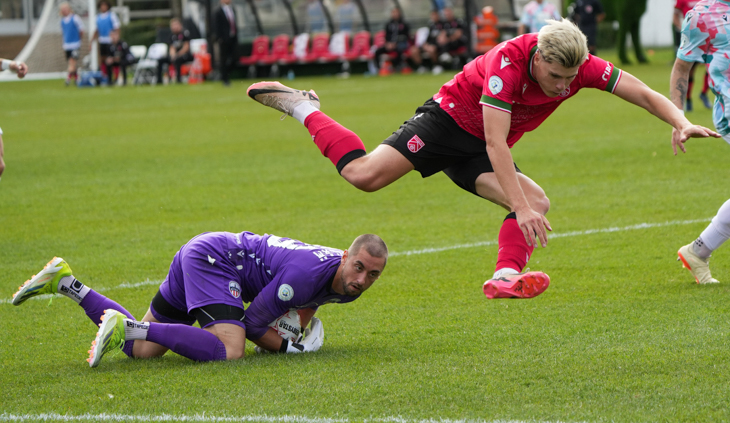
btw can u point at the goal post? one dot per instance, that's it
(44, 53)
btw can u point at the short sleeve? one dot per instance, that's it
(600, 74)
(690, 49)
(115, 21)
(501, 78)
(79, 23)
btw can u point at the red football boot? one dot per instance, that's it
(521, 285)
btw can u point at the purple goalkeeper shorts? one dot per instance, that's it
(202, 274)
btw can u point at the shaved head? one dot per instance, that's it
(373, 244)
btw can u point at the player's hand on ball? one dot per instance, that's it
(314, 336)
(312, 341)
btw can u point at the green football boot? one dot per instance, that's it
(109, 338)
(45, 282)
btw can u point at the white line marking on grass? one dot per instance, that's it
(439, 249)
(54, 417)
(552, 235)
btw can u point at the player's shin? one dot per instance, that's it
(514, 253)
(336, 142)
(94, 303)
(188, 341)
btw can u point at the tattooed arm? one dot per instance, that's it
(678, 82)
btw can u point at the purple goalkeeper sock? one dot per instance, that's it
(94, 305)
(188, 341)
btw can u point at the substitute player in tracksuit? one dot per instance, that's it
(209, 280)
(467, 129)
(706, 38)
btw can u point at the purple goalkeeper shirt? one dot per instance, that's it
(278, 274)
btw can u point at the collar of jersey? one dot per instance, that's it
(532, 54)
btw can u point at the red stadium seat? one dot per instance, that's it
(259, 51)
(360, 48)
(379, 38)
(320, 49)
(279, 51)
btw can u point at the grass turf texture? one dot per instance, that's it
(116, 180)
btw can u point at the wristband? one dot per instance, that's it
(1, 131)
(6, 64)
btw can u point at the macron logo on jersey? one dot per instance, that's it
(505, 62)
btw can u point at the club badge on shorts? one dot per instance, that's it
(286, 292)
(235, 289)
(415, 144)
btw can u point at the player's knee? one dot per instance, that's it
(235, 352)
(541, 204)
(362, 180)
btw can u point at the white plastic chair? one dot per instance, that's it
(198, 44)
(146, 71)
(421, 36)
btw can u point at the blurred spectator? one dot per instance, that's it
(588, 14)
(73, 32)
(535, 14)
(436, 25)
(446, 39)
(346, 13)
(179, 51)
(119, 58)
(106, 23)
(315, 16)
(227, 35)
(397, 39)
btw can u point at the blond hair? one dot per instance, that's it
(563, 43)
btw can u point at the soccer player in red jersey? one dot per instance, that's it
(467, 129)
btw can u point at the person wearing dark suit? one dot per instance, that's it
(226, 32)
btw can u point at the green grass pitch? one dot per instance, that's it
(115, 180)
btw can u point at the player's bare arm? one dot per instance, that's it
(531, 222)
(634, 91)
(679, 81)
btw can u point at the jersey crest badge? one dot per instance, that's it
(505, 62)
(565, 92)
(415, 144)
(286, 292)
(234, 288)
(495, 84)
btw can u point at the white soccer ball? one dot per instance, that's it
(288, 326)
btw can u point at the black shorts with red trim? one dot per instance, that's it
(433, 142)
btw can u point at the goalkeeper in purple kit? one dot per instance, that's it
(209, 280)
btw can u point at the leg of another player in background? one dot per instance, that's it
(690, 84)
(71, 71)
(514, 253)
(705, 89)
(695, 256)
